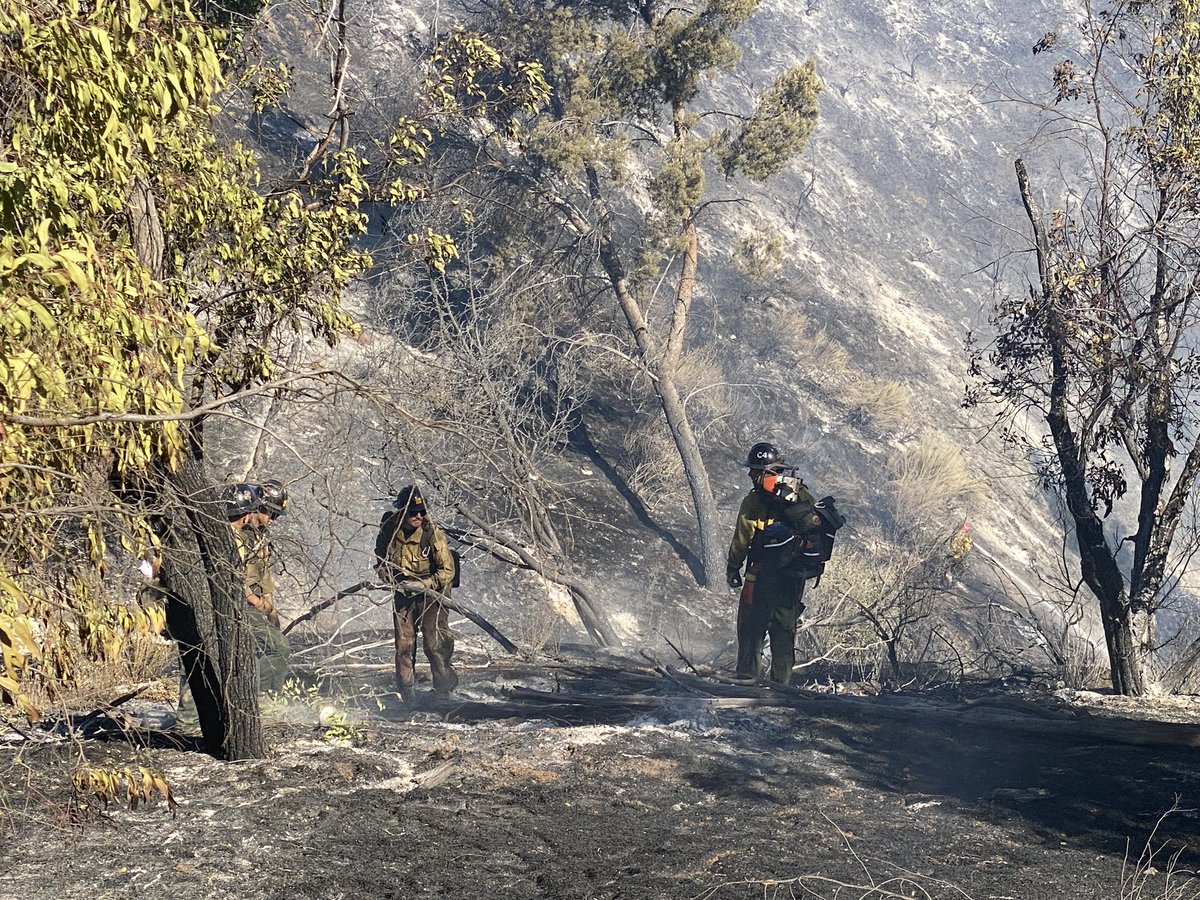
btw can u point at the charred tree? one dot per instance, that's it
(202, 581)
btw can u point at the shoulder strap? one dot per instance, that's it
(388, 526)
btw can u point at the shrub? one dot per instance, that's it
(886, 405)
(705, 392)
(650, 464)
(930, 482)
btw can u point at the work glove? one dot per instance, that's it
(733, 578)
(386, 572)
(411, 586)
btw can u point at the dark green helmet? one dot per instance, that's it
(409, 501)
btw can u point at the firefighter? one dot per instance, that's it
(413, 555)
(251, 510)
(770, 599)
(249, 517)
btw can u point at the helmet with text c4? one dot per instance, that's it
(762, 455)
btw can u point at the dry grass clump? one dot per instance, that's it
(821, 359)
(701, 382)
(776, 330)
(929, 479)
(884, 404)
(141, 659)
(650, 464)
(540, 622)
(1158, 873)
(649, 459)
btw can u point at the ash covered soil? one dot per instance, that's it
(604, 778)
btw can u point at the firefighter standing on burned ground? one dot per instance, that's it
(252, 509)
(770, 603)
(414, 557)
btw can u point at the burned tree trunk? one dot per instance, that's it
(202, 581)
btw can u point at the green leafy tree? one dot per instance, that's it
(148, 279)
(1102, 346)
(623, 161)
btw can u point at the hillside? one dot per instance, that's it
(899, 227)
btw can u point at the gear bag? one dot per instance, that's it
(800, 540)
(818, 544)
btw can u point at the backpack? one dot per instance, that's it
(800, 540)
(818, 544)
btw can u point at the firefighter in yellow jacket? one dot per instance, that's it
(414, 557)
(770, 600)
(251, 510)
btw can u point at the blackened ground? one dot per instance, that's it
(676, 796)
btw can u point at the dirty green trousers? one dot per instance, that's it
(769, 606)
(414, 613)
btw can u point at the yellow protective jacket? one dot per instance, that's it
(755, 514)
(255, 551)
(422, 556)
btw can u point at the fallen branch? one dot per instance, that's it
(357, 648)
(313, 611)
(478, 620)
(640, 701)
(450, 604)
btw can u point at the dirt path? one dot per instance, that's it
(684, 801)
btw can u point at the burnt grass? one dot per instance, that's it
(627, 785)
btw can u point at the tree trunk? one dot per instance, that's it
(1097, 561)
(712, 548)
(201, 578)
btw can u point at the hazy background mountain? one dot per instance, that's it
(899, 226)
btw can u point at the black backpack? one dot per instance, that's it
(800, 540)
(818, 544)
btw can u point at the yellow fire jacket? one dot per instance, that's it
(255, 550)
(422, 556)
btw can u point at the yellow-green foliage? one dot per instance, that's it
(128, 785)
(469, 77)
(85, 332)
(18, 650)
(142, 269)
